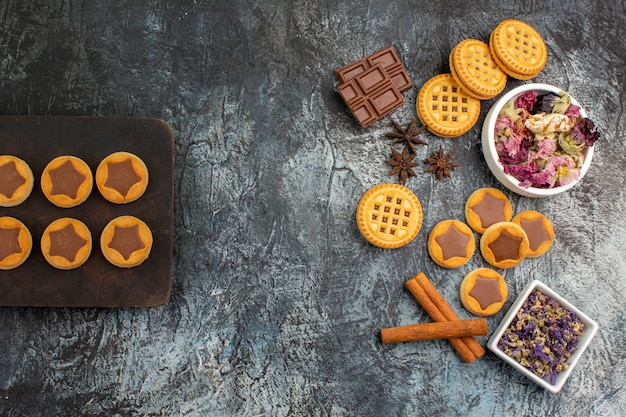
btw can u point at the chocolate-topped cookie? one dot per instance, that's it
(16, 181)
(483, 292)
(66, 181)
(126, 241)
(451, 244)
(66, 243)
(15, 243)
(504, 244)
(539, 230)
(122, 177)
(485, 207)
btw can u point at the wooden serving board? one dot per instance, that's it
(97, 283)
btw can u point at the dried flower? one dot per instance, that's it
(526, 101)
(543, 147)
(585, 132)
(542, 336)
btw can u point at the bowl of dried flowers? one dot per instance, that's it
(538, 141)
(543, 336)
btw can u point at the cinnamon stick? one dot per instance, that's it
(436, 330)
(447, 311)
(457, 343)
(439, 310)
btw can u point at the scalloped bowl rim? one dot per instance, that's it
(491, 155)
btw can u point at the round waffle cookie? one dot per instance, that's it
(389, 216)
(518, 48)
(474, 69)
(445, 108)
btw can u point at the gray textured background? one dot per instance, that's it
(277, 301)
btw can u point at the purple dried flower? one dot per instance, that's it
(585, 132)
(544, 103)
(546, 336)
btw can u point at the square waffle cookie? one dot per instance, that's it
(389, 216)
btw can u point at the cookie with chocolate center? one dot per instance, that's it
(539, 230)
(15, 243)
(122, 177)
(451, 244)
(485, 207)
(66, 181)
(504, 245)
(483, 292)
(126, 241)
(66, 243)
(16, 181)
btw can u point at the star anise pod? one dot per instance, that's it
(440, 164)
(402, 164)
(407, 136)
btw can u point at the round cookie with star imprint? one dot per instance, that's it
(126, 241)
(122, 177)
(16, 243)
(539, 230)
(485, 207)
(16, 181)
(483, 292)
(66, 243)
(66, 181)
(504, 245)
(451, 243)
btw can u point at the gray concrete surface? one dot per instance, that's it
(277, 301)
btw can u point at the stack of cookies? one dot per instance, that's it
(449, 104)
(518, 49)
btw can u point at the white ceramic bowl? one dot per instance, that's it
(491, 155)
(591, 327)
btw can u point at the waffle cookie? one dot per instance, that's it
(66, 243)
(16, 243)
(389, 216)
(126, 241)
(451, 244)
(474, 69)
(445, 108)
(518, 49)
(504, 244)
(485, 207)
(539, 231)
(16, 181)
(483, 292)
(66, 181)
(122, 177)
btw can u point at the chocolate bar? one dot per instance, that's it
(371, 94)
(388, 58)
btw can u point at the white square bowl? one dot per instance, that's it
(591, 327)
